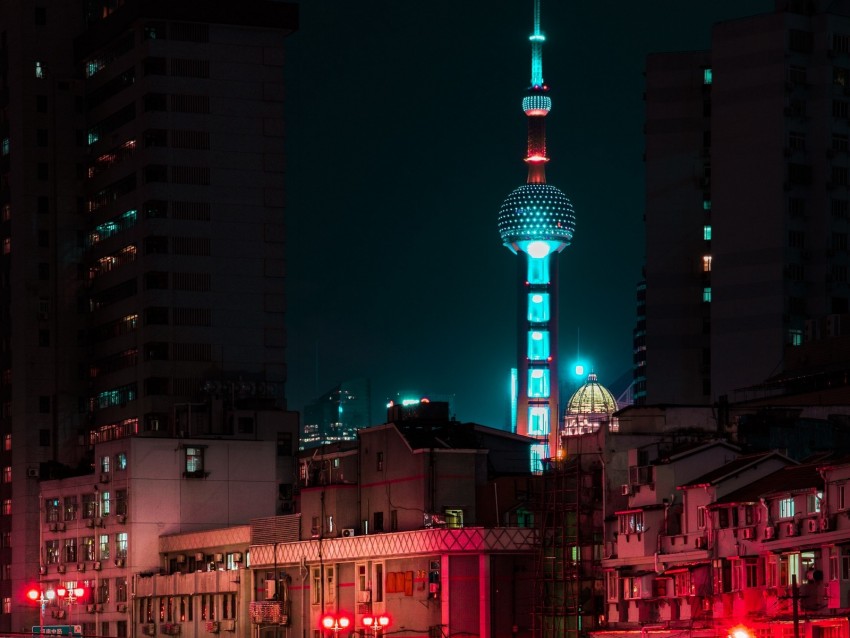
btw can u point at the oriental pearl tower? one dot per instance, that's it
(536, 222)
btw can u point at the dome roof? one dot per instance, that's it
(536, 212)
(592, 398)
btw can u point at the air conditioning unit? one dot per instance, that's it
(121, 518)
(104, 478)
(119, 562)
(212, 626)
(32, 472)
(701, 542)
(121, 607)
(347, 532)
(227, 625)
(199, 556)
(180, 559)
(790, 529)
(60, 526)
(89, 522)
(626, 489)
(98, 607)
(96, 566)
(237, 557)
(825, 524)
(149, 629)
(52, 527)
(90, 608)
(60, 568)
(42, 569)
(769, 532)
(81, 567)
(219, 558)
(60, 613)
(813, 525)
(364, 596)
(99, 521)
(748, 533)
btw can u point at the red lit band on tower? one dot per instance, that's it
(536, 222)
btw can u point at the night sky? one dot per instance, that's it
(405, 133)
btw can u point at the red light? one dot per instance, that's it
(79, 592)
(383, 621)
(368, 620)
(327, 622)
(33, 594)
(344, 622)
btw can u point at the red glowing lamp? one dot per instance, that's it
(335, 623)
(376, 623)
(33, 595)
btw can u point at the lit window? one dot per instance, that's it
(5, 146)
(707, 76)
(104, 463)
(538, 383)
(786, 508)
(7, 605)
(706, 263)
(538, 345)
(105, 499)
(538, 307)
(454, 518)
(121, 545)
(7, 442)
(7, 474)
(815, 501)
(7, 506)
(706, 232)
(194, 461)
(103, 547)
(7, 245)
(40, 69)
(795, 337)
(538, 453)
(538, 420)
(706, 294)
(121, 461)
(538, 270)
(706, 204)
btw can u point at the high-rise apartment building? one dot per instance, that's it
(746, 201)
(141, 194)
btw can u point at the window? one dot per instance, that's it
(89, 505)
(87, 548)
(121, 461)
(538, 345)
(454, 518)
(786, 508)
(105, 500)
(40, 69)
(378, 521)
(51, 552)
(70, 508)
(51, 510)
(379, 459)
(194, 456)
(795, 337)
(316, 586)
(840, 502)
(538, 420)
(7, 442)
(538, 307)
(706, 232)
(103, 547)
(70, 550)
(631, 523)
(707, 76)
(538, 383)
(121, 502)
(814, 502)
(706, 263)
(7, 507)
(121, 545)
(7, 474)
(121, 589)
(706, 294)
(631, 587)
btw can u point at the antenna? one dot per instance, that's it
(537, 40)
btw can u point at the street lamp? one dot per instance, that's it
(376, 623)
(42, 598)
(335, 623)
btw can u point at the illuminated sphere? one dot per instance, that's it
(592, 398)
(536, 212)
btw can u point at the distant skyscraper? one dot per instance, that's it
(746, 202)
(536, 222)
(141, 223)
(337, 414)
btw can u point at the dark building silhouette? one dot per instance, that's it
(337, 414)
(747, 202)
(142, 266)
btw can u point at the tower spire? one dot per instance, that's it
(537, 39)
(536, 105)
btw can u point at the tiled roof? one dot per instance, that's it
(732, 467)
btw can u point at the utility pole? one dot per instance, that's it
(795, 605)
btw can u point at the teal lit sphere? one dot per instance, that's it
(536, 212)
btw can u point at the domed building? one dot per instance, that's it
(589, 407)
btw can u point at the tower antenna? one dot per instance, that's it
(537, 39)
